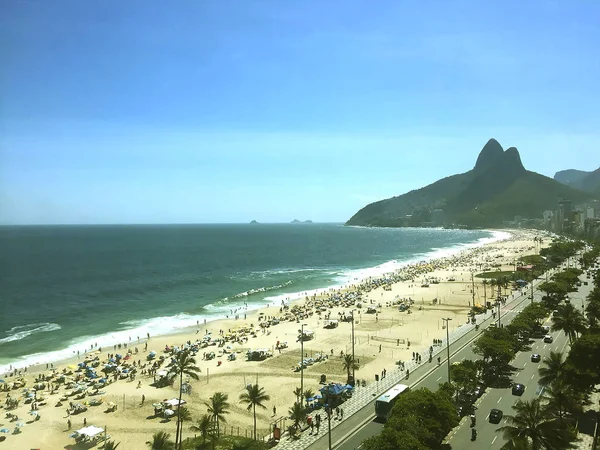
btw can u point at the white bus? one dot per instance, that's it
(385, 402)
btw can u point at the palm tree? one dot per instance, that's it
(110, 445)
(182, 364)
(204, 426)
(562, 398)
(297, 414)
(298, 393)
(553, 370)
(349, 364)
(308, 393)
(569, 320)
(184, 416)
(593, 313)
(534, 423)
(161, 441)
(485, 284)
(217, 408)
(253, 397)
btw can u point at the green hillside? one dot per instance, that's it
(497, 189)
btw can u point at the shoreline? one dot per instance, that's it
(382, 338)
(107, 340)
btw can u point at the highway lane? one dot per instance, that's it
(503, 399)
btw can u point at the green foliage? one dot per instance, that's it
(298, 414)
(552, 368)
(218, 407)
(535, 422)
(161, 440)
(583, 362)
(348, 365)
(497, 347)
(570, 320)
(498, 274)
(420, 418)
(464, 375)
(253, 397)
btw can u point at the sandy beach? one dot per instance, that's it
(383, 335)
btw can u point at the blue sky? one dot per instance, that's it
(227, 111)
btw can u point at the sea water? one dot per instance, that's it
(66, 288)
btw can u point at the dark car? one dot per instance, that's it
(548, 339)
(518, 389)
(496, 415)
(479, 390)
(535, 357)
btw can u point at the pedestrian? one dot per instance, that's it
(379, 348)
(274, 411)
(341, 414)
(69, 424)
(143, 398)
(84, 422)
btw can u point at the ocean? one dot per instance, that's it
(64, 288)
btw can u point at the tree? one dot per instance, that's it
(464, 375)
(426, 415)
(593, 313)
(218, 407)
(485, 284)
(552, 369)
(562, 398)
(534, 422)
(253, 397)
(497, 347)
(184, 416)
(161, 440)
(583, 362)
(298, 394)
(110, 445)
(204, 426)
(298, 414)
(349, 364)
(183, 363)
(569, 320)
(555, 293)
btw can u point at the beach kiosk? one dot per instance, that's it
(89, 434)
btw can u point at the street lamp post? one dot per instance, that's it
(447, 320)
(328, 412)
(353, 368)
(302, 363)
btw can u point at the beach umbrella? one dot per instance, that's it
(2, 381)
(310, 399)
(33, 413)
(169, 412)
(20, 424)
(318, 396)
(157, 405)
(4, 430)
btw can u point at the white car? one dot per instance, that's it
(548, 339)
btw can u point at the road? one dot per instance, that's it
(365, 426)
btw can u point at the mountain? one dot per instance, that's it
(299, 221)
(497, 189)
(586, 181)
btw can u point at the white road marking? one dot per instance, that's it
(439, 379)
(532, 376)
(517, 374)
(499, 400)
(494, 440)
(524, 365)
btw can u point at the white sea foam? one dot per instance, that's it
(166, 325)
(22, 331)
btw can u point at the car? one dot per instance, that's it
(496, 415)
(518, 389)
(479, 390)
(548, 339)
(535, 357)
